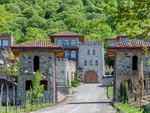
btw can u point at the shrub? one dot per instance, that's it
(78, 79)
(76, 82)
(107, 73)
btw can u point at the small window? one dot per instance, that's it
(36, 61)
(66, 54)
(66, 42)
(144, 84)
(5, 42)
(125, 39)
(62, 71)
(142, 39)
(73, 42)
(85, 63)
(45, 84)
(148, 39)
(73, 54)
(134, 63)
(59, 42)
(88, 52)
(93, 52)
(28, 85)
(96, 62)
(91, 62)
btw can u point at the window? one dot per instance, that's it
(45, 84)
(125, 39)
(73, 42)
(73, 54)
(85, 63)
(88, 52)
(134, 63)
(28, 85)
(144, 84)
(66, 42)
(93, 52)
(0, 42)
(91, 62)
(5, 43)
(59, 42)
(66, 54)
(148, 40)
(62, 71)
(96, 62)
(36, 61)
(142, 39)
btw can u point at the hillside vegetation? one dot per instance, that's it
(37, 19)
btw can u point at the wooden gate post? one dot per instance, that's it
(1, 98)
(7, 86)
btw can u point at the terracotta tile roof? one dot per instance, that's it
(36, 43)
(66, 33)
(129, 44)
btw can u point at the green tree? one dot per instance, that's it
(11, 68)
(37, 89)
(34, 34)
(4, 18)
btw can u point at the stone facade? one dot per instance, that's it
(47, 67)
(66, 70)
(123, 68)
(94, 59)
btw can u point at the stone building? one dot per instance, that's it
(6, 40)
(91, 61)
(77, 51)
(34, 56)
(66, 70)
(69, 41)
(122, 38)
(128, 56)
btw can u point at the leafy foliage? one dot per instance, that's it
(12, 67)
(37, 19)
(37, 89)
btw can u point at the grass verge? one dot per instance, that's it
(26, 108)
(110, 92)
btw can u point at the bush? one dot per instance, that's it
(78, 79)
(107, 73)
(76, 82)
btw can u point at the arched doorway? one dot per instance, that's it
(91, 77)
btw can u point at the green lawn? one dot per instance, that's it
(27, 108)
(110, 92)
(126, 108)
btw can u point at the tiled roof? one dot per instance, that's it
(129, 44)
(66, 33)
(37, 43)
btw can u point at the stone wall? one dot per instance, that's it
(123, 68)
(66, 70)
(47, 67)
(99, 56)
(107, 80)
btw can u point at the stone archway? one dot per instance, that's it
(91, 77)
